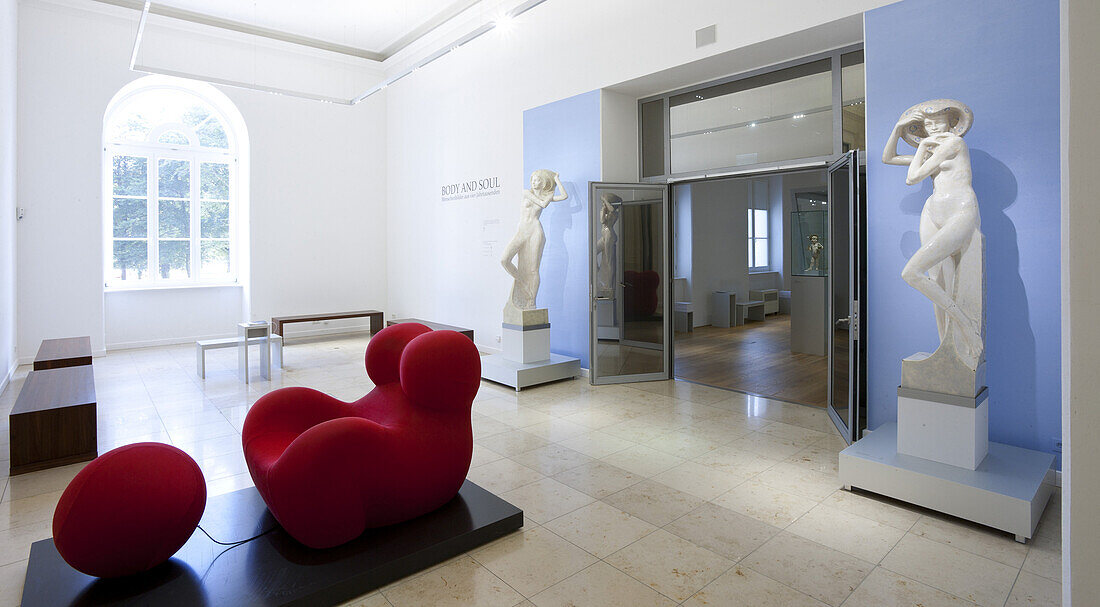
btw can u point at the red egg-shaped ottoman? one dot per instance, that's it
(129, 510)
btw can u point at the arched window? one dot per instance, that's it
(172, 152)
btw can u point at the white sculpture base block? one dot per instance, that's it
(606, 327)
(499, 369)
(1008, 491)
(943, 428)
(528, 344)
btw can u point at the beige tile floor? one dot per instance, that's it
(647, 494)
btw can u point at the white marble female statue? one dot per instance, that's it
(815, 247)
(605, 245)
(526, 246)
(949, 266)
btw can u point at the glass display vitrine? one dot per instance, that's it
(810, 243)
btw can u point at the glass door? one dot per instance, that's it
(631, 307)
(847, 296)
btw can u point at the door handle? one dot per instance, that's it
(843, 323)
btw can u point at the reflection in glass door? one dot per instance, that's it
(847, 296)
(631, 307)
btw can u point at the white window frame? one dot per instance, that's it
(153, 152)
(752, 238)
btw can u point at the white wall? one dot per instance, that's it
(618, 137)
(8, 38)
(316, 218)
(682, 238)
(719, 255)
(461, 117)
(1080, 303)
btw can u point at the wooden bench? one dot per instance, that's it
(434, 326)
(231, 342)
(53, 422)
(375, 316)
(66, 352)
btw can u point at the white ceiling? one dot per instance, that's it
(370, 25)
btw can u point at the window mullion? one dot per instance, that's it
(152, 221)
(196, 240)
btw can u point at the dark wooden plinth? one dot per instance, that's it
(278, 322)
(274, 569)
(66, 352)
(53, 422)
(434, 326)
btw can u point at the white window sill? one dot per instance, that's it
(126, 289)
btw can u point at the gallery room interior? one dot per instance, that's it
(549, 302)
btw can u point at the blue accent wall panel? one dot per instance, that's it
(564, 136)
(1000, 58)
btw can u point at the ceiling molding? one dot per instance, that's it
(401, 43)
(147, 7)
(452, 11)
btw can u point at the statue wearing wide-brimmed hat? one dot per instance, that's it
(949, 267)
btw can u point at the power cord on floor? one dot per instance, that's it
(229, 546)
(237, 543)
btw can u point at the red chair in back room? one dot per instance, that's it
(329, 470)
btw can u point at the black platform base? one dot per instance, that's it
(275, 569)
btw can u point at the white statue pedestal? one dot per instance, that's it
(943, 428)
(1007, 491)
(526, 359)
(527, 341)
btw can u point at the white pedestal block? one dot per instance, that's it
(1008, 491)
(520, 375)
(526, 344)
(607, 326)
(944, 428)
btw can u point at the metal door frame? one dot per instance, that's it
(665, 284)
(849, 429)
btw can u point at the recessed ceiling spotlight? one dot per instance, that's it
(752, 124)
(698, 96)
(504, 22)
(797, 116)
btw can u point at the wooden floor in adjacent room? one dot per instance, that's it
(756, 358)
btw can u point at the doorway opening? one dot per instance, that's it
(750, 277)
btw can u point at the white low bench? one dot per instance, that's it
(749, 310)
(231, 342)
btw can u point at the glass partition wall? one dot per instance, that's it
(780, 117)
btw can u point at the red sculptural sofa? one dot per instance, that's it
(328, 470)
(640, 294)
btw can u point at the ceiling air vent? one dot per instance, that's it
(705, 36)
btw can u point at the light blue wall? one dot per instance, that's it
(564, 136)
(1001, 58)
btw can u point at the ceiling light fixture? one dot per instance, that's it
(504, 22)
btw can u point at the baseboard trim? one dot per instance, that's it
(8, 376)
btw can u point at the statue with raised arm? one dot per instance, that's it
(605, 245)
(949, 267)
(527, 245)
